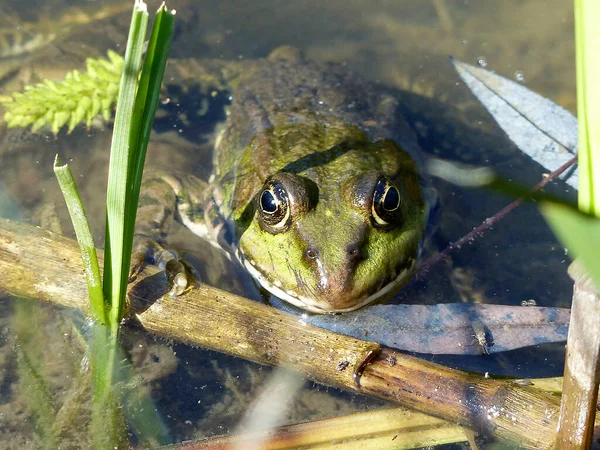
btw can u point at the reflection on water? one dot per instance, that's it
(403, 45)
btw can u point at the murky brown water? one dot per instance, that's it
(404, 45)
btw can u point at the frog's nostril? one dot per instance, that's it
(311, 253)
(354, 252)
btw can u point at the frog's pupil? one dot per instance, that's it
(391, 200)
(268, 202)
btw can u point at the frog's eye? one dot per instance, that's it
(386, 210)
(274, 208)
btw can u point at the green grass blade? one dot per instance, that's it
(151, 80)
(116, 265)
(146, 104)
(587, 43)
(85, 239)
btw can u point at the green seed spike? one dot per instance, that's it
(80, 97)
(60, 119)
(79, 115)
(96, 105)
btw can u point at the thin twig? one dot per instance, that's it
(488, 223)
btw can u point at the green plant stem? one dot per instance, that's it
(108, 426)
(85, 239)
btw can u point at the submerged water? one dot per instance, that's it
(403, 45)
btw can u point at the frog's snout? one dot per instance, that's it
(334, 287)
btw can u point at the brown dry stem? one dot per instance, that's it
(385, 428)
(582, 365)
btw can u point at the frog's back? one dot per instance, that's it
(286, 89)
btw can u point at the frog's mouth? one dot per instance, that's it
(310, 304)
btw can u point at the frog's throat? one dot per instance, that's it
(308, 303)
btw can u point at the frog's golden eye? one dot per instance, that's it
(386, 209)
(274, 208)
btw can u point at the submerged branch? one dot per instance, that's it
(38, 264)
(385, 428)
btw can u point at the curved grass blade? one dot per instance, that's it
(85, 239)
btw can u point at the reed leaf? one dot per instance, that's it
(587, 42)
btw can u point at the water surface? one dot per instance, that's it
(402, 45)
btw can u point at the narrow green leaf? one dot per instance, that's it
(85, 239)
(587, 42)
(146, 105)
(116, 264)
(579, 232)
(152, 75)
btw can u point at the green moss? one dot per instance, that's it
(79, 98)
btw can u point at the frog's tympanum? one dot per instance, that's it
(314, 188)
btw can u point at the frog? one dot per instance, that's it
(315, 191)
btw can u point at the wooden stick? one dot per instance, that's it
(39, 264)
(582, 365)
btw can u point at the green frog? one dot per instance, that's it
(315, 189)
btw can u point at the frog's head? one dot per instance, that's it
(334, 233)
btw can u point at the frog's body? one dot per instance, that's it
(311, 190)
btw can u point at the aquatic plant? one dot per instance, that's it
(138, 89)
(79, 98)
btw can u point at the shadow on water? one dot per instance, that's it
(539, 361)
